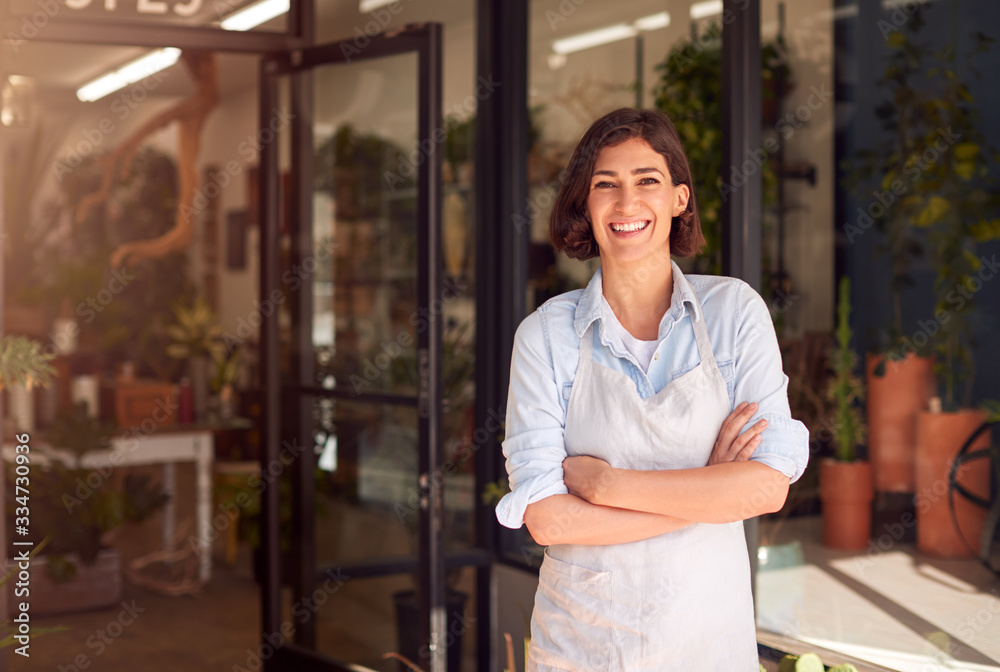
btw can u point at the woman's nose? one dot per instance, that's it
(627, 199)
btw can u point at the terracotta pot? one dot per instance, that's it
(846, 491)
(939, 438)
(892, 406)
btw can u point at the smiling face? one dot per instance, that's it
(632, 201)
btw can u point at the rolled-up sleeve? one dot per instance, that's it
(760, 378)
(534, 445)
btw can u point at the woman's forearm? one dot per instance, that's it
(567, 519)
(719, 493)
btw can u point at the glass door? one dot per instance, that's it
(351, 193)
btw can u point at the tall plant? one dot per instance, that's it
(954, 198)
(893, 165)
(845, 390)
(934, 186)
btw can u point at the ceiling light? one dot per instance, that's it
(893, 4)
(594, 38)
(701, 10)
(129, 73)
(368, 5)
(620, 31)
(254, 15)
(653, 21)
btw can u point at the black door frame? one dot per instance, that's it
(425, 41)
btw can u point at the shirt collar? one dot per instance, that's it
(682, 302)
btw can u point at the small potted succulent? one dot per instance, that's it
(846, 487)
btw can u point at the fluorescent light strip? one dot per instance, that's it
(893, 4)
(368, 5)
(129, 73)
(653, 21)
(701, 10)
(254, 15)
(594, 38)
(620, 31)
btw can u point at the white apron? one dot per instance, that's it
(680, 601)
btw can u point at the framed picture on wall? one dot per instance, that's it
(236, 240)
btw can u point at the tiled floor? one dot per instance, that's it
(896, 607)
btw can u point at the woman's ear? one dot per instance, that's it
(682, 195)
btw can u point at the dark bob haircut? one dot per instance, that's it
(569, 223)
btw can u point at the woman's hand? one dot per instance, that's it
(587, 477)
(731, 446)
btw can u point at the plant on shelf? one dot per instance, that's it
(196, 332)
(845, 481)
(23, 361)
(226, 370)
(196, 339)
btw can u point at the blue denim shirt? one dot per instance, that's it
(546, 353)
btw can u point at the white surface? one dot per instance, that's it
(954, 599)
(167, 449)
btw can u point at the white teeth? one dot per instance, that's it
(625, 227)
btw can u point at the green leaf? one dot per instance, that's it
(935, 210)
(178, 351)
(896, 40)
(966, 151)
(973, 260)
(965, 169)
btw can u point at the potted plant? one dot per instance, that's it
(899, 370)
(195, 338)
(845, 481)
(227, 368)
(23, 365)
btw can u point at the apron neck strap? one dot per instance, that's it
(701, 332)
(587, 343)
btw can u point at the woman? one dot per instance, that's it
(647, 418)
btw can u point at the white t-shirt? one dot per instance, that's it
(642, 350)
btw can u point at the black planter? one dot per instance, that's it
(408, 630)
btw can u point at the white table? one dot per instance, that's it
(167, 446)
